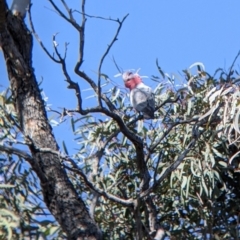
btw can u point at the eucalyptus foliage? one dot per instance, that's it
(196, 125)
(23, 213)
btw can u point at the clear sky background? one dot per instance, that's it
(177, 32)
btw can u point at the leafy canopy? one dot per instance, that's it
(191, 151)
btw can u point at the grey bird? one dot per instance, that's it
(141, 96)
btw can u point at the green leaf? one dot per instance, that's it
(198, 65)
(184, 181)
(65, 148)
(204, 186)
(2, 185)
(160, 70)
(73, 124)
(222, 163)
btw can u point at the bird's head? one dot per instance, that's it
(131, 80)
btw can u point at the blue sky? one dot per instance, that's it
(178, 33)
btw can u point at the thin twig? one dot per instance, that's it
(115, 63)
(69, 11)
(61, 59)
(98, 17)
(37, 37)
(65, 17)
(81, 39)
(103, 57)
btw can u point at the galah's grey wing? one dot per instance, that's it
(143, 101)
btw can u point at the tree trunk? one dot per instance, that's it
(59, 194)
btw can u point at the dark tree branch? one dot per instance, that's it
(95, 88)
(103, 57)
(81, 42)
(115, 63)
(123, 128)
(69, 11)
(18, 152)
(91, 185)
(71, 21)
(61, 59)
(3, 7)
(79, 63)
(116, 132)
(98, 17)
(37, 37)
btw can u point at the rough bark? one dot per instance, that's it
(59, 194)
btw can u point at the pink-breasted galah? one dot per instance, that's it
(141, 96)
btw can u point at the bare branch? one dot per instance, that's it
(82, 41)
(95, 88)
(69, 11)
(72, 22)
(15, 151)
(80, 61)
(103, 57)
(55, 45)
(98, 17)
(75, 86)
(115, 63)
(37, 37)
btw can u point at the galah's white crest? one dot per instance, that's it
(141, 96)
(19, 7)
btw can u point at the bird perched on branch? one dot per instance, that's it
(141, 96)
(19, 7)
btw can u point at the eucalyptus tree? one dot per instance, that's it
(131, 178)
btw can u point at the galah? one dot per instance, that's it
(19, 7)
(141, 96)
